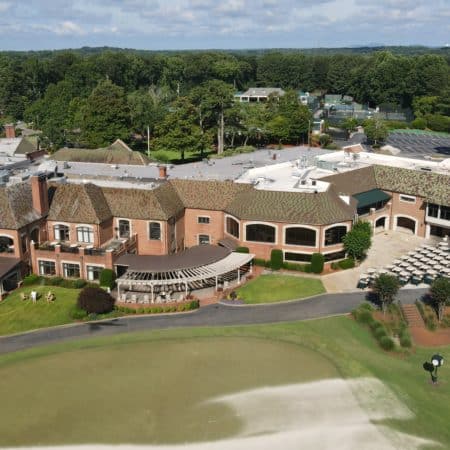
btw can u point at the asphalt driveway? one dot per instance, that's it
(208, 316)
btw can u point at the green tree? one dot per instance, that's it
(375, 130)
(106, 115)
(216, 100)
(440, 294)
(386, 288)
(424, 105)
(356, 243)
(179, 131)
(349, 125)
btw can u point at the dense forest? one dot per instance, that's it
(89, 97)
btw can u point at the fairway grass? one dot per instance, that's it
(276, 288)
(153, 387)
(17, 315)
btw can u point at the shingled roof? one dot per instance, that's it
(291, 207)
(161, 203)
(79, 203)
(433, 187)
(210, 195)
(353, 181)
(16, 206)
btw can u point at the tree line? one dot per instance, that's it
(90, 99)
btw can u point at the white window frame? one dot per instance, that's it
(101, 266)
(260, 223)
(225, 226)
(412, 198)
(118, 226)
(45, 260)
(57, 224)
(90, 233)
(317, 230)
(203, 234)
(204, 217)
(160, 230)
(63, 271)
(340, 224)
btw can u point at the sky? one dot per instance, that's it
(228, 24)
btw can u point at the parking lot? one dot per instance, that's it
(420, 144)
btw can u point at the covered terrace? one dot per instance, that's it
(167, 278)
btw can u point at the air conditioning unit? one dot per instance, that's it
(313, 182)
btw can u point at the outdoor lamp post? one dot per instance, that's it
(437, 361)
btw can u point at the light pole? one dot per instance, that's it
(437, 361)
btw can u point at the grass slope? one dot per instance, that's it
(17, 315)
(275, 288)
(345, 344)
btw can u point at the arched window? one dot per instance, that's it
(154, 231)
(6, 244)
(61, 232)
(334, 235)
(300, 236)
(232, 227)
(85, 234)
(258, 232)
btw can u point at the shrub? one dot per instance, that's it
(376, 325)
(317, 262)
(92, 316)
(77, 313)
(95, 300)
(161, 156)
(367, 306)
(386, 343)
(405, 341)
(31, 279)
(245, 149)
(107, 278)
(295, 266)
(79, 283)
(242, 250)
(261, 262)
(348, 263)
(276, 259)
(364, 316)
(194, 304)
(379, 333)
(419, 124)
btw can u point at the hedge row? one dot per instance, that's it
(76, 283)
(363, 315)
(348, 263)
(190, 306)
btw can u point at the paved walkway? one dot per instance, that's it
(208, 316)
(386, 247)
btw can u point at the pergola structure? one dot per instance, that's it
(159, 278)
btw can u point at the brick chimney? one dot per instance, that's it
(162, 172)
(10, 131)
(39, 193)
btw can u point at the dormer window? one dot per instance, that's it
(85, 234)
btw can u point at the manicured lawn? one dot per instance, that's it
(275, 288)
(175, 157)
(152, 387)
(17, 315)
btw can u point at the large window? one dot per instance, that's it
(85, 234)
(232, 227)
(124, 228)
(154, 231)
(6, 244)
(300, 236)
(445, 212)
(258, 232)
(297, 257)
(93, 272)
(61, 232)
(203, 239)
(433, 210)
(47, 268)
(71, 270)
(335, 255)
(335, 235)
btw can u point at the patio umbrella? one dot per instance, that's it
(371, 270)
(396, 261)
(403, 273)
(383, 271)
(432, 272)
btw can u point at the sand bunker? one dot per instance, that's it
(329, 414)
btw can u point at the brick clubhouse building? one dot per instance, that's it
(74, 228)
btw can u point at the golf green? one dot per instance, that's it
(153, 392)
